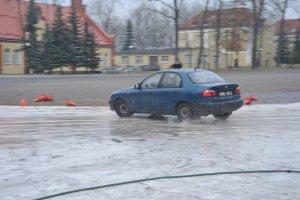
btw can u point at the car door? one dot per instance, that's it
(169, 92)
(144, 99)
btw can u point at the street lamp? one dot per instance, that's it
(128, 55)
(27, 45)
(175, 18)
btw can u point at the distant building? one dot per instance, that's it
(291, 26)
(162, 57)
(236, 27)
(12, 20)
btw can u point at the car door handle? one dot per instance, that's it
(174, 92)
(150, 92)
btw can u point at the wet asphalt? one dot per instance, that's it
(47, 150)
(270, 86)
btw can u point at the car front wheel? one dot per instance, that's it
(222, 116)
(184, 112)
(121, 108)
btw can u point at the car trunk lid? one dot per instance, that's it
(223, 91)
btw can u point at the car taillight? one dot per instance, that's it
(238, 90)
(209, 93)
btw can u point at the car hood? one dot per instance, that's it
(126, 90)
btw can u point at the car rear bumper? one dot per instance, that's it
(215, 108)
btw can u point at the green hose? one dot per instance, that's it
(166, 177)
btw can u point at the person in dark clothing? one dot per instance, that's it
(176, 65)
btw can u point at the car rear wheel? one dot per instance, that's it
(222, 116)
(121, 108)
(184, 112)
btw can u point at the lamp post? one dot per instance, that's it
(175, 18)
(26, 46)
(128, 54)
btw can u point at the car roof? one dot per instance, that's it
(185, 71)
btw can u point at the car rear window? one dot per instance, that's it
(204, 77)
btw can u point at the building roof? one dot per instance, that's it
(230, 17)
(290, 26)
(13, 17)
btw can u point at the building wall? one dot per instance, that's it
(12, 67)
(266, 51)
(106, 55)
(144, 59)
(268, 46)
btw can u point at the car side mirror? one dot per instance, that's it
(137, 86)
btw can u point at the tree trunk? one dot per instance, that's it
(218, 35)
(201, 35)
(281, 32)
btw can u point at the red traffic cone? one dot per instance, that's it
(42, 98)
(70, 103)
(23, 102)
(247, 101)
(39, 98)
(48, 98)
(253, 98)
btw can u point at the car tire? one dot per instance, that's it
(222, 116)
(121, 108)
(184, 112)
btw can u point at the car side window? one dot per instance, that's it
(171, 80)
(152, 81)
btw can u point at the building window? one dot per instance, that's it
(100, 60)
(105, 59)
(139, 60)
(164, 59)
(7, 57)
(206, 22)
(17, 59)
(124, 60)
(190, 37)
(182, 36)
(204, 59)
(188, 58)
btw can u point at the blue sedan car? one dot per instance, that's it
(186, 93)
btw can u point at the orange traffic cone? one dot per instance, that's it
(247, 101)
(42, 98)
(48, 98)
(253, 98)
(23, 102)
(70, 103)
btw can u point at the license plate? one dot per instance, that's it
(227, 93)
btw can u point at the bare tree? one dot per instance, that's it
(202, 24)
(151, 28)
(103, 13)
(175, 8)
(258, 6)
(187, 10)
(281, 6)
(218, 32)
(58, 2)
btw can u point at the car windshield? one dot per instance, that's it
(204, 77)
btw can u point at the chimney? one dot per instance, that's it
(78, 5)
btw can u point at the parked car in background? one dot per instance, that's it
(150, 68)
(186, 93)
